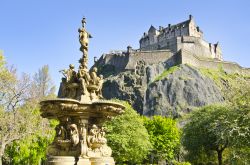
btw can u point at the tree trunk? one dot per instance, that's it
(219, 152)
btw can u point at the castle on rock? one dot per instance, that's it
(181, 43)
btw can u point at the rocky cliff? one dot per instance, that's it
(162, 90)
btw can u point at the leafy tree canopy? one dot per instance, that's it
(127, 137)
(215, 128)
(164, 136)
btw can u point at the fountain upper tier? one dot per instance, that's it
(57, 108)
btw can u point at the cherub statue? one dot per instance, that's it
(99, 84)
(93, 135)
(94, 131)
(69, 74)
(93, 76)
(69, 78)
(74, 135)
(83, 77)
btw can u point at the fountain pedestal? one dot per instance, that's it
(67, 160)
(102, 161)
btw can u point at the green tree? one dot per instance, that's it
(240, 134)
(164, 136)
(19, 115)
(216, 128)
(31, 150)
(15, 123)
(42, 85)
(127, 137)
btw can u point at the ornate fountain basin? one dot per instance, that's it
(56, 108)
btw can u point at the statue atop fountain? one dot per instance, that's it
(83, 85)
(81, 111)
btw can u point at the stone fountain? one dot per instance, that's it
(81, 111)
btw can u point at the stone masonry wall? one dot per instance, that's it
(200, 47)
(119, 61)
(150, 57)
(170, 44)
(128, 60)
(230, 67)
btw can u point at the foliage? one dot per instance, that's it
(32, 150)
(215, 128)
(165, 73)
(164, 136)
(180, 163)
(15, 122)
(127, 137)
(22, 127)
(42, 84)
(241, 98)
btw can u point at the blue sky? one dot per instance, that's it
(38, 32)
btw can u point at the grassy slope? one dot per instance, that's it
(165, 73)
(229, 84)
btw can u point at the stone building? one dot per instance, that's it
(185, 35)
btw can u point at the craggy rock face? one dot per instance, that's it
(123, 87)
(171, 95)
(179, 92)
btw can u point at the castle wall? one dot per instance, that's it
(119, 61)
(163, 44)
(169, 44)
(150, 57)
(200, 47)
(229, 67)
(128, 61)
